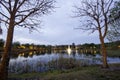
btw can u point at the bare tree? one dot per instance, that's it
(93, 16)
(114, 31)
(23, 13)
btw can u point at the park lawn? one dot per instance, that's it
(81, 73)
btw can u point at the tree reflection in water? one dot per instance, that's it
(40, 62)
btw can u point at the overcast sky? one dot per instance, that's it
(58, 28)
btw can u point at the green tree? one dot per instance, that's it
(93, 16)
(16, 44)
(22, 13)
(114, 32)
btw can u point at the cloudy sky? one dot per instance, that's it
(57, 28)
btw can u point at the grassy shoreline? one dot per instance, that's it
(81, 73)
(113, 53)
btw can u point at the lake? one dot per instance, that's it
(47, 61)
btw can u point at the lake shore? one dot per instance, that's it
(82, 73)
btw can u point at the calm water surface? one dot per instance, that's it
(40, 63)
(44, 58)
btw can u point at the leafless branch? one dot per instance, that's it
(94, 14)
(2, 2)
(25, 11)
(4, 15)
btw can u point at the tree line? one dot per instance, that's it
(18, 45)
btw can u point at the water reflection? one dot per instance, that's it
(45, 57)
(69, 50)
(35, 61)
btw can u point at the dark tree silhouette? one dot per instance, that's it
(0, 29)
(23, 13)
(1, 43)
(94, 16)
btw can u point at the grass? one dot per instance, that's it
(81, 73)
(113, 53)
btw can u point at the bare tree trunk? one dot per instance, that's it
(104, 53)
(4, 65)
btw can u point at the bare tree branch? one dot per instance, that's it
(94, 16)
(21, 13)
(2, 20)
(4, 15)
(4, 5)
(10, 7)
